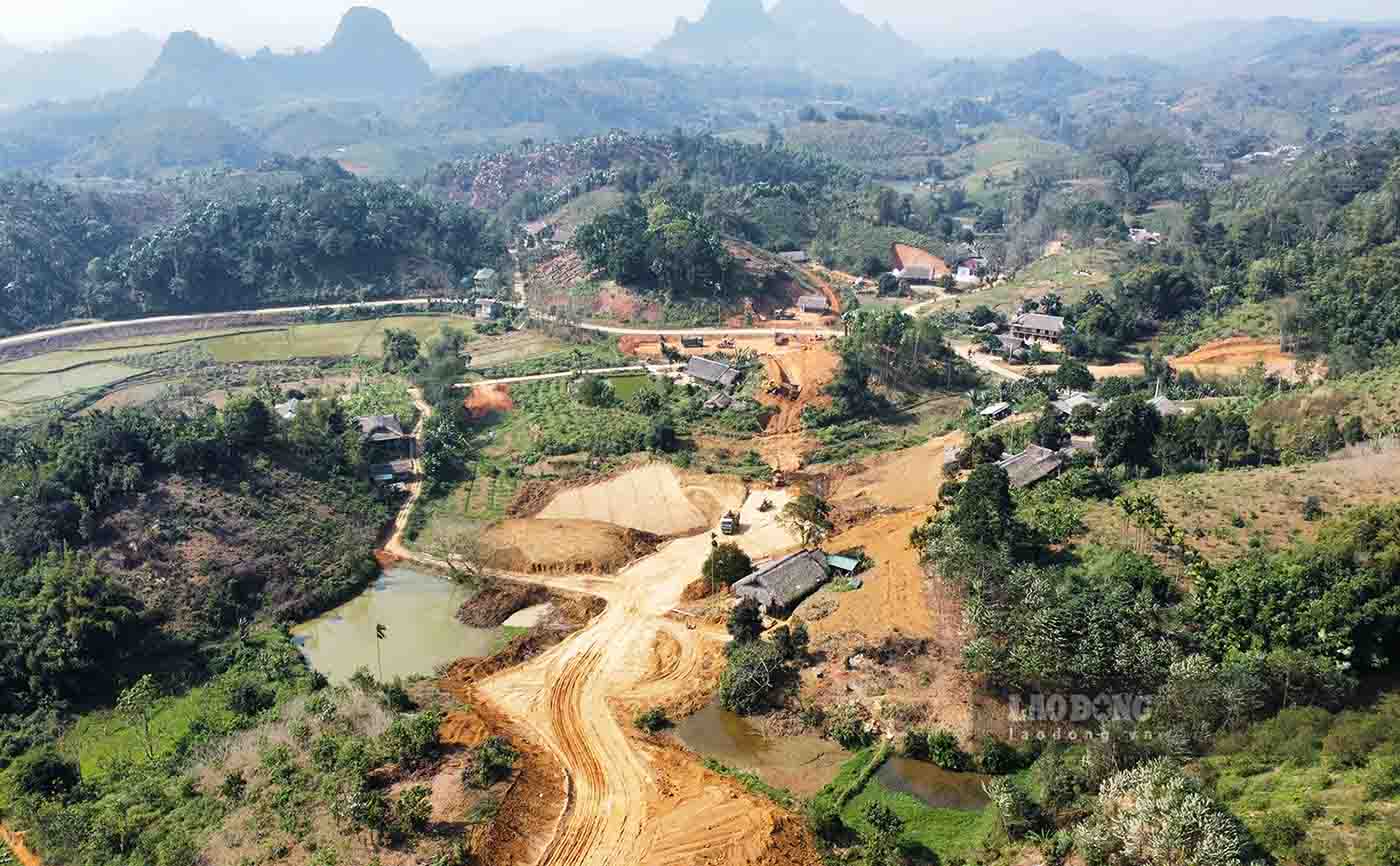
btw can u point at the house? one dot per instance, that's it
(969, 270)
(380, 429)
(1038, 326)
(996, 411)
(1143, 236)
(989, 328)
(391, 472)
(485, 280)
(916, 275)
(779, 585)
(1073, 400)
(712, 372)
(797, 257)
(813, 304)
(719, 402)
(489, 308)
(1010, 345)
(1031, 465)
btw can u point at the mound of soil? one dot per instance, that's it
(545, 546)
(483, 401)
(1237, 354)
(497, 602)
(653, 498)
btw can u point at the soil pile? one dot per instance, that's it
(482, 401)
(495, 604)
(1237, 354)
(798, 380)
(653, 498)
(548, 546)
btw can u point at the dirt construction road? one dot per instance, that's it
(619, 807)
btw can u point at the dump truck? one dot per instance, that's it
(692, 342)
(729, 524)
(778, 480)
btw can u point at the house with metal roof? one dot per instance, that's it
(288, 410)
(916, 274)
(996, 411)
(380, 428)
(797, 257)
(779, 585)
(813, 304)
(1031, 465)
(1038, 326)
(393, 471)
(712, 372)
(485, 279)
(1073, 400)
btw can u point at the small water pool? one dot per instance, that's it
(936, 787)
(419, 614)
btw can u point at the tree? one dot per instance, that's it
(983, 509)
(880, 836)
(466, 555)
(1073, 375)
(745, 621)
(1126, 432)
(1129, 148)
(138, 704)
(726, 563)
(247, 421)
(400, 348)
(754, 670)
(661, 436)
(809, 517)
(1049, 432)
(593, 391)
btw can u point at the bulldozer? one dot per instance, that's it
(726, 343)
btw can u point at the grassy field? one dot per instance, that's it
(1060, 273)
(73, 374)
(1225, 514)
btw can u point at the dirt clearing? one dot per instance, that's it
(905, 255)
(902, 479)
(794, 381)
(1236, 355)
(654, 497)
(892, 598)
(555, 546)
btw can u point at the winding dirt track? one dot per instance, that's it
(618, 809)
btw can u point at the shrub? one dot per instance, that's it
(939, 747)
(998, 758)
(233, 786)
(1381, 777)
(412, 811)
(651, 720)
(1280, 831)
(1385, 849)
(247, 697)
(43, 773)
(745, 621)
(490, 762)
(850, 725)
(823, 818)
(1312, 509)
(411, 740)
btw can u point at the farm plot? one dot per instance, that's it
(489, 494)
(50, 386)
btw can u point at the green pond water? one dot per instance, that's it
(801, 764)
(936, 787)
(418, 612)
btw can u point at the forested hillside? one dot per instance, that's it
(326, 238)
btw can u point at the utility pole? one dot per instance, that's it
(379, 634)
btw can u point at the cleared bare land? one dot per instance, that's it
(655, 498)
(901, 479)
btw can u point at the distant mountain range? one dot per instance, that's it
(366, 57)
(535, 48)
(80, 69)
(821, 37)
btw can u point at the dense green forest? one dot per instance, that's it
(328, 238)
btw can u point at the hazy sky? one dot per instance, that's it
(248, 24)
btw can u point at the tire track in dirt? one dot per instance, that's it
(627, 802)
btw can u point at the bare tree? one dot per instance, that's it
(466, 555)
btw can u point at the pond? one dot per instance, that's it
(802, 764)
(934, 786)
(419, 615)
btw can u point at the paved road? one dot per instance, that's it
(540, 377)
(36, 336)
